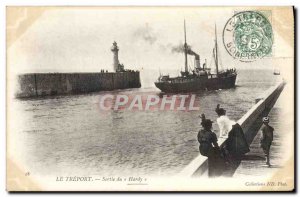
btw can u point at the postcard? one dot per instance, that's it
(150, 98)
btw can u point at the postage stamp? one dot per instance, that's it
(248, 36)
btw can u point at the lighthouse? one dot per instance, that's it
(115, 50)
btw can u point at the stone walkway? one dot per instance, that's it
(254, 162)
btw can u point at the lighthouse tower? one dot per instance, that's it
(115, 50)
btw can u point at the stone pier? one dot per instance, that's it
(250, 122)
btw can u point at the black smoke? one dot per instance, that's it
(145, 33)
(180, 49)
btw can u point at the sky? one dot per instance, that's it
(79, 39)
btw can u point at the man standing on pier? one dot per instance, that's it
(267, 138)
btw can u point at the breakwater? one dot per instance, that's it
(47, 84)
(250, 122)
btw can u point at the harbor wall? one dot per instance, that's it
(250, 123)
(46, 84)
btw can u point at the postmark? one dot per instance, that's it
(248, 36)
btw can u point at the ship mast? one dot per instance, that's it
(185, 50)
(216, 49)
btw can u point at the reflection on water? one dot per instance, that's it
(67, 134)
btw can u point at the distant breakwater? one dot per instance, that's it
(47, 84)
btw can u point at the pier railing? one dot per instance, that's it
(250, 122)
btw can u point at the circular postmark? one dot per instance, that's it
(248, 36)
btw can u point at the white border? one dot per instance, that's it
(5, 3)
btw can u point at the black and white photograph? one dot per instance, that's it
(157, 98)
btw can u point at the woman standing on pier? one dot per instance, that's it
(236, 144)
(224, 123)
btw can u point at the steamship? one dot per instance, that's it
(200, 78)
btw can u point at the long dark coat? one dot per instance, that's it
(236, 143)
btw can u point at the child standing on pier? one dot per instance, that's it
(267, 138)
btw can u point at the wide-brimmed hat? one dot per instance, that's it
(266, 119)
(220, 111)
(205, 122)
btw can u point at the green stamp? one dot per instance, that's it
(248, 36)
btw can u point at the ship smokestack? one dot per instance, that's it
(115, 50)
(205, 65)
(197, 57)
(197, 61)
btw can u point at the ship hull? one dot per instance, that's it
(198, 84)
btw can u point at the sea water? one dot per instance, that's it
(65, 134)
